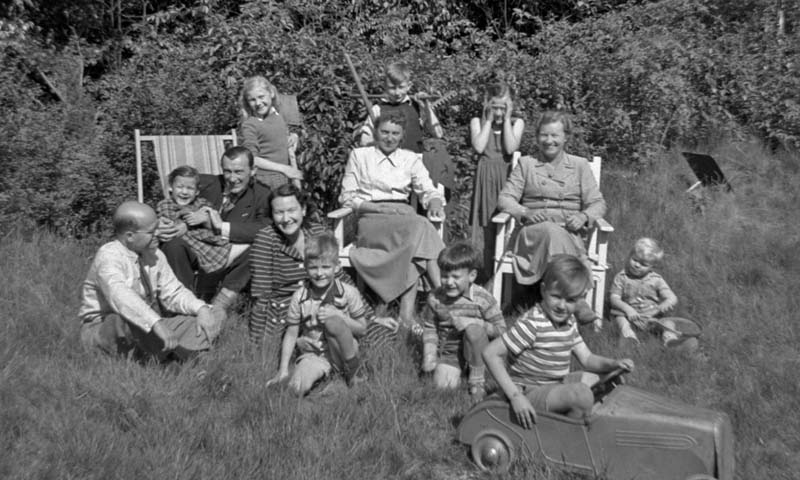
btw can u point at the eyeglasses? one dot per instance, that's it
(147, 232)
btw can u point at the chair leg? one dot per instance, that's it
(497, 286)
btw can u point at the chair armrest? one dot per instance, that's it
(604, 226)
(340, 213)
(502, 217)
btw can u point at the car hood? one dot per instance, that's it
(628, 402)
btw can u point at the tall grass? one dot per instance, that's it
(731, 259)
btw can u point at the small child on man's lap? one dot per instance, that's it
(325, 316)
(459, 320)
(185, 205)
(539, 347)
(638, 293)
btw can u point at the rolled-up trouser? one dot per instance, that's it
(113, 335)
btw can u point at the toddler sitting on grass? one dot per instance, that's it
(459, 319)
(539, 345)
(325, 315)
(638, 293)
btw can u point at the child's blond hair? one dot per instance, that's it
(398, 72)
(252, 83)
(323, 246)
(648, 248)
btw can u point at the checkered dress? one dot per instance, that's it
(212, 250)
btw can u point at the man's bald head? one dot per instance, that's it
(132, 216)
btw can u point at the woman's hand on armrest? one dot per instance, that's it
(436, 211)
(576, 221)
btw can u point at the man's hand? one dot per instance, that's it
(196, 218)
(167, 232)
(280, 377)
(576, 222)
(165, 334)
(215, 219)
(526, 415)
(209, 322)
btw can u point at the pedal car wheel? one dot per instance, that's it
(491, 452)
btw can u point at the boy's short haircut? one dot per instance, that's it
(322, 246)
(235, 152)
(568, 274)
(183, 171)
(398, 72)
(457, 256)
(649, 248)
(392, 116)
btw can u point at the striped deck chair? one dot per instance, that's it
(200, 151)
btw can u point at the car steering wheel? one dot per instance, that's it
(608, 382)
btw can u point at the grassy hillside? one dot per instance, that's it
(731, 258)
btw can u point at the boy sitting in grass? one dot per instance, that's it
(540, 344)
(638, 293)
(459, 319)
(325, 315)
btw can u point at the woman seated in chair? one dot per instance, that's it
(395, 246)
(555, 199)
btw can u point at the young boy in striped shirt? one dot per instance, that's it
(459, 319)
(538, 347)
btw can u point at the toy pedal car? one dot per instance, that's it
(630, 434)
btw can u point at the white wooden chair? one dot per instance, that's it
(340, 215)
(170, 151)
(597, 250)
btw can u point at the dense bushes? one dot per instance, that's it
(638, 78)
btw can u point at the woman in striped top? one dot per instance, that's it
(540, 344)
(277, 270)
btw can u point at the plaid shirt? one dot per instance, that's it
(212, 250)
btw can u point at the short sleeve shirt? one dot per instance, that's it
(640, 293)
(304, 306)
(539, 350)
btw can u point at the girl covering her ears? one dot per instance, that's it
(494, 136)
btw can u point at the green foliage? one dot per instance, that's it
(638, 78)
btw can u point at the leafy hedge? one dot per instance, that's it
(638, 78)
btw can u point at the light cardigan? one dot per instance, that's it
(372, 176)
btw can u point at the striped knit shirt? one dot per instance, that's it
(540, 351)
(277, 271)
(446, 318)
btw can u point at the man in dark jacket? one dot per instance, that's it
(241, 209)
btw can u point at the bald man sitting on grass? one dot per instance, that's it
(131, 302)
